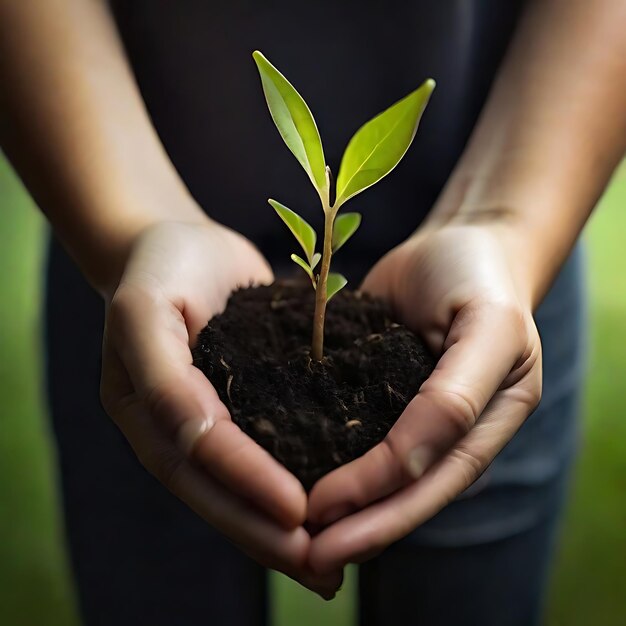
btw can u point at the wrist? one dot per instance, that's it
(535, 224)
(103, 255)
(517, 248)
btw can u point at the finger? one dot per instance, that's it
(369, 531)
(150, 335)
(325, 585)
(268, 543)
(483, 345)
(285, 550)
(260, 537)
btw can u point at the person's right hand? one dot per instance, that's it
(177, 277)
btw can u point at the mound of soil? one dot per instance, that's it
(311, 416)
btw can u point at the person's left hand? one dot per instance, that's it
(460, 288)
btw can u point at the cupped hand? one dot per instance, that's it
(459, 287)
(177, 277)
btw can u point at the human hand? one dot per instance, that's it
(455, 285)
(177, 277)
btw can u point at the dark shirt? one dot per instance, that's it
(349, 60)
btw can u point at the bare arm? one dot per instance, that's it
(74, 125)
(550, 135)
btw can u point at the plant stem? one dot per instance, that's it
(317, 343)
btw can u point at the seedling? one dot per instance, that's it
(375, 149)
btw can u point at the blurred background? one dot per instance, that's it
(35, 581)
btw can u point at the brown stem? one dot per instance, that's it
(317, 343)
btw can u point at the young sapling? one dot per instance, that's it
(374, 151)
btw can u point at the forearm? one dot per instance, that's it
(550, 135)
(74, 125)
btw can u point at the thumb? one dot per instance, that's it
(150, 336)
(484, 344)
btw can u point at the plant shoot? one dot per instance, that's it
(375, 149)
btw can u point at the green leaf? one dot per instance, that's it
(344, 227)
(304, 265)
(315, 260)
(378, 146)
(301, 229)
(294, 121)
(335, 283)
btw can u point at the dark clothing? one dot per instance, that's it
(349, 60)
(139, 555)
(500, 582)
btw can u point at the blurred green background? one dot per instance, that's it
(589, 585)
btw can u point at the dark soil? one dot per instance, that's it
(312, 417)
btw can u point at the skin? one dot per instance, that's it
(83, 143)
(176, 277)
(551, 134)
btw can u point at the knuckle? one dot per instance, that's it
(470, 466)
(392, 451)
(159, 400)
(529, 356)
(463, 412)
(459, 408)
(165, 466)
(530, 396)
(534, 396)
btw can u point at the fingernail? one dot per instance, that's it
(190, 431)
(336, 512)
(418, 461)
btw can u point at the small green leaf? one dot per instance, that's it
(315, 260)
(335, 283)
(378, 145)
(294, 121)
(300, 228)
(344, 227)
(304, 265)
